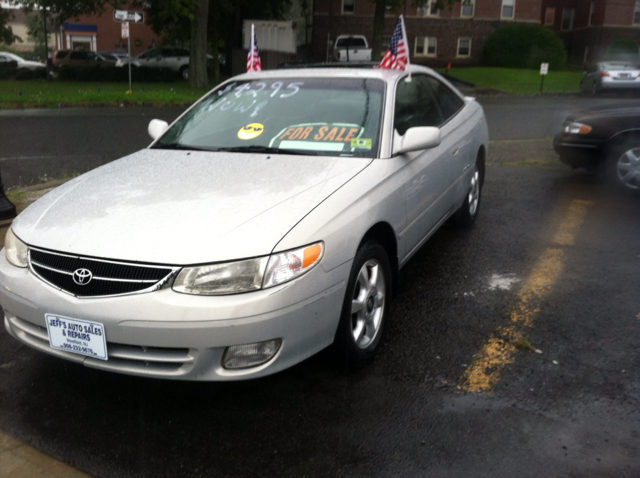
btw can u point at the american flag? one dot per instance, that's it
(396, 55)
(253, 59)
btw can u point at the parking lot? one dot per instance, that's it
(511, 349)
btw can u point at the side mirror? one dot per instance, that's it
(415, 139)
(157, 128)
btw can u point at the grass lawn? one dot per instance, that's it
(523, 82)
(40, 92)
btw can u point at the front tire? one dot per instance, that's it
(365, 308)
(623, 166)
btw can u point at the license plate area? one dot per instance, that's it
(77, 336)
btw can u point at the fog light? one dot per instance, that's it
(250, 355)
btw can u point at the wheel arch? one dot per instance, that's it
(622, 136)
(384, 234)
(481, 160)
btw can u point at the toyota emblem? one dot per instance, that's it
(82, 276)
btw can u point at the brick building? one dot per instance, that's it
(589, 27)
(101, 32)
(455, 34)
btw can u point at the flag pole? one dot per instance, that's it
(251, 47)
(406, 40)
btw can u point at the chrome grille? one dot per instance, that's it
(108, 278)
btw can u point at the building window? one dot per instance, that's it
(464, 47)
(429, 9)
(348, 6)
(467, 8)
(549, 16)
(508, 9)
(568, 15)
(426, 46)
(592, 12)
(636, 13)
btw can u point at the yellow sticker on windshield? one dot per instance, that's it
(252, 130)
(361, 143)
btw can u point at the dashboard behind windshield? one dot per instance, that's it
(328, 116)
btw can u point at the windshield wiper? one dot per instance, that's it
(184, 147)
(265, 149)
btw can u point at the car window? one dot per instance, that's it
(352, 42)
(415, 105)
(450, 103)
(61, 54)
(4, 58)
(327, 116)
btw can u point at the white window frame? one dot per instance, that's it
(592, 12)
(425, 43)
(349, 12)
(508, 3)
(572, 17)
(460, 40)
(427, 9)
(471, 3)
(636, 13)
(553, 15)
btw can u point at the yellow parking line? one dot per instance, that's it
(499, 351)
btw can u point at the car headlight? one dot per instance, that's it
(577, 128)
(15, 250)
(248, 275)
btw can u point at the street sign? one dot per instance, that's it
(129, 17)
(544, 68)
(124, 30)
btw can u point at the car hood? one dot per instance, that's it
(180, 207)
(604, 112)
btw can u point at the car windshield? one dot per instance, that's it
(323, 116)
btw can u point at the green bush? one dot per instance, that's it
(625, 49)
(112, 74)
(524, 46)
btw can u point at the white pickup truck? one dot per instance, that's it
(351, 48)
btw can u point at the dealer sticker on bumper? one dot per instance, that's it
(77, 336)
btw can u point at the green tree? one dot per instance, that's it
(6, 32)
(36, 33)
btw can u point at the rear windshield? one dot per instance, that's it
(317, 116)
(619, 65)
(352, 42)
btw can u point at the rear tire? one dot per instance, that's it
(365, 308)
(184, 72)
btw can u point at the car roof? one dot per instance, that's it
(327, 71)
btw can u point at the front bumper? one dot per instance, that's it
(578, 151)
(165, 334)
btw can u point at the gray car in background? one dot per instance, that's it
(609, 76)
(266, 223)
(174, 58)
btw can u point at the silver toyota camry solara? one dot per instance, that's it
(266, 223)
